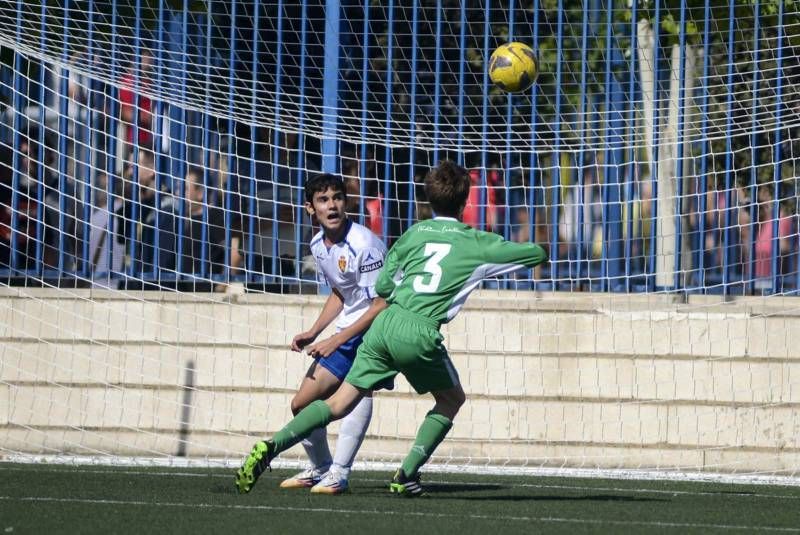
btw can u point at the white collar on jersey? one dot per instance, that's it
(444, 218)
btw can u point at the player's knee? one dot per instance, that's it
(456, 401)
(448, 403)
(459, 398)
(298, 404)
(338, 409)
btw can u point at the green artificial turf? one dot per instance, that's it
(98, 499)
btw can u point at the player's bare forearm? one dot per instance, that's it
(333, 305)
(362, 324)
(330, 310)
(326, 347)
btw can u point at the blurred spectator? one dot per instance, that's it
(489, 205)
(373, 200)
(37, 209)
(273, 175)
(135, 107)
(519, 206)
(373, 206)
(765, 246)
(201, 227)
(640, 209)
(274, 246)
(46, 107)
(526, 200)
(137, 216)
(735, 207)
(716, 204)
(101, 236)
(268, 188)
(580, 223)
(6, 195)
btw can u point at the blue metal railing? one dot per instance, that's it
(624, 258)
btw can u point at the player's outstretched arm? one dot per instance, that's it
(499, 251)
(333, 306)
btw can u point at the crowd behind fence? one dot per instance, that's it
(101, 183)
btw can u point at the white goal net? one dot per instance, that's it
(154, 259)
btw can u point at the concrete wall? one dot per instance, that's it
(585, 380)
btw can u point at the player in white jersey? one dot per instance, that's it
(349, 258)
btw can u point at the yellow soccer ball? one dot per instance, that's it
(513, 67)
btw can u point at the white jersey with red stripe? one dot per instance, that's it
(351, 266)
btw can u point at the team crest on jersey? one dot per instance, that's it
(342, 263)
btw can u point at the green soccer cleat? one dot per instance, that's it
(405, 486)
(254, 465)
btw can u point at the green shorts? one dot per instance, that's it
(403, 342)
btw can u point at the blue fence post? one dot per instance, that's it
(89, 152)
(750, 284)
(387, 175)
(413, 97)
(679, 279)
(301, 161)
(16, 157)
(158, 133)
(534, 158)
(206, 268)
(437, 78)
(612, 264)
(704, 152)
(654, 228)
(63, 134)
(632, 175)
(365, 72)
(115, 225)
(232, 160)
(508, 159)
(330, 86)
(276, 145)
(180, 169)
(555, 262)
(41, 177)
(482, 182)
(462, 39)
(776, 159)
(727, 255)
(251, 208)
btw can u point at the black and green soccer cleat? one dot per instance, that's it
(403, 485)
(254, 465)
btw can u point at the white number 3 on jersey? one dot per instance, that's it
(436, 252)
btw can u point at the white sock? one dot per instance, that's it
(316, 446)
(351, 435)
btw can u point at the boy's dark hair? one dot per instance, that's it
(322, 182)
(447, 188)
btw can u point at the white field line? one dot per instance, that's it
(325, 510)
(481, 470)
(437, 482)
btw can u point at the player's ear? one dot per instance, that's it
(312, 214)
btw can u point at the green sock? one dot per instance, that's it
(430, 434)
(317, 414)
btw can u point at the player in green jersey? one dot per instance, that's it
(426, 278)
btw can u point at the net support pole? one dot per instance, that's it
(330, 87)
(613, 262)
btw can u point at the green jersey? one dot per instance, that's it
(437, 263)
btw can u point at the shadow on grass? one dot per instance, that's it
(545, 498)
(219, 488)
(434, 488)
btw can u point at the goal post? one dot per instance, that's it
(154, 260)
